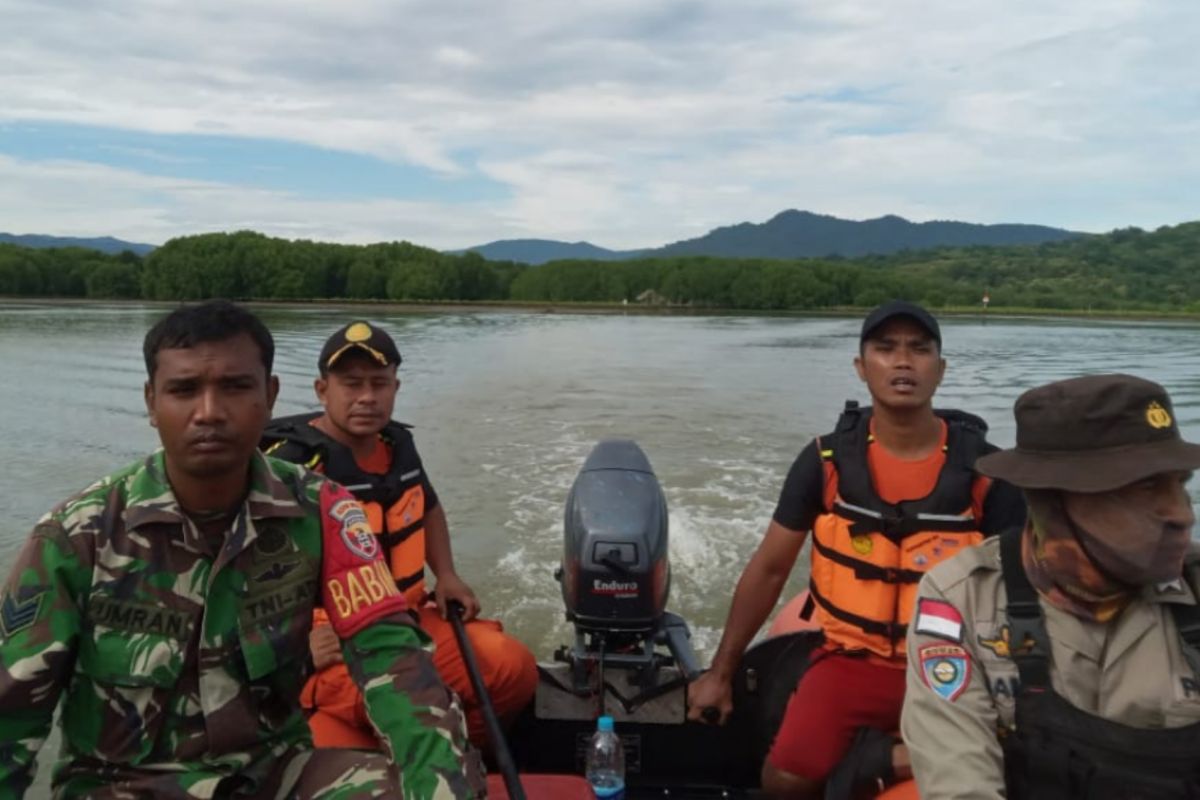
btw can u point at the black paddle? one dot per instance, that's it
(508, 769)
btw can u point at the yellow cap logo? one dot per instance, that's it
(358, 332)
(1157, 416)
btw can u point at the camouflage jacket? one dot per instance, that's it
(180, 667)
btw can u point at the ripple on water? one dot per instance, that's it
(506, 406)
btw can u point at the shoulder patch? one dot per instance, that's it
(17, 615)
(946, 669)
(356, 587)
(356, 530)
(938, 618)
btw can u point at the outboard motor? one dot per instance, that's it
(632, 659)
(616, 573)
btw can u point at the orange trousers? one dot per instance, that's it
(338, 717)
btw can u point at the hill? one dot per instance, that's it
(802, 234)
(539, 251)
(1126, 270)
(105, 244)
(791, 234)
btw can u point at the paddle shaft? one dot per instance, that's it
(508, 769)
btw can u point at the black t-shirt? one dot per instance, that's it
(802, 498)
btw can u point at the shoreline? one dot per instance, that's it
(636, 309)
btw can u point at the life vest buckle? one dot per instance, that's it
(893, 525)
(1025, 628)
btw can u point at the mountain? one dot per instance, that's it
(105, 244)
(539, 251)
(801, 234)
(789, 234)
(792, 234)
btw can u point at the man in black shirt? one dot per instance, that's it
(888, 494)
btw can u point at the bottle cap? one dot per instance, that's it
(604, 724)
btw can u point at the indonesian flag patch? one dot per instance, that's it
(939, 618)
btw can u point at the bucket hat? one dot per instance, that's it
(1092, 434)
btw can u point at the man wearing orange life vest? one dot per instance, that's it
(356, 443)
(888, 494)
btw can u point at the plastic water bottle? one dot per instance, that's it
(606, 762)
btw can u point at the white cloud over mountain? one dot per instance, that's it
(627, 124)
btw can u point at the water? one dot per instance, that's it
(606, 762)
(607, 785)
(507, 405)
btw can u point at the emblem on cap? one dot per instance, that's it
(358, 332)
(1157, 416)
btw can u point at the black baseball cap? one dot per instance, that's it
(900, 308)
(359, 335)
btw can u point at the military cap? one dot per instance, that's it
(1092, 434)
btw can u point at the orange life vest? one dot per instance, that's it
(868, 555)
(394, 501)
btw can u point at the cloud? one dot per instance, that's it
(89, 199)
(632, 124)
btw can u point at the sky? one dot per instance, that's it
(623, 123)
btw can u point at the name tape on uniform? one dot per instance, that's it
(356, 590)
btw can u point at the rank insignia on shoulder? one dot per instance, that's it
(939, 618)
(17, 615)
(945, 668)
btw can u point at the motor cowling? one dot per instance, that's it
(615, 571)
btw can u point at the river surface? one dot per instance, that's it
(506, 406)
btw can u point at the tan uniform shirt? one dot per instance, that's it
(960, 693)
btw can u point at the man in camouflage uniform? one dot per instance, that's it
(170, 604)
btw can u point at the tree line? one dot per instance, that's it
(1126, 270)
